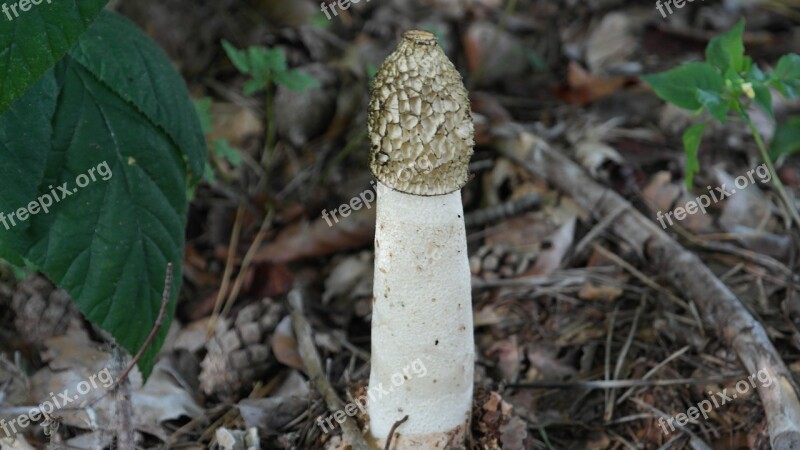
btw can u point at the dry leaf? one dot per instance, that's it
(610, 43)
(304, 240)
(284, 345)
(603, 293)
(583, 88)
(560, 242)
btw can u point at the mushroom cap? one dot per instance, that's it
(420, 125)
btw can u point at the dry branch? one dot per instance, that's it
(308, 351)
(721, 309)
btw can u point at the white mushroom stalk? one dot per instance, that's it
(421, 137)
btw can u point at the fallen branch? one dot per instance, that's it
(721, 309)
(308, 352)
(123, 407)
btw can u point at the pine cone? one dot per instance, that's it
(42, 309)
(499, 261)
(239, 354)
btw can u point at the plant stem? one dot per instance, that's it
(790, 205)
(269, 140)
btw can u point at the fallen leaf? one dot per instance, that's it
(273, 413)
(583, 88)
(304, 240)
(284, 345)
(610, 42)
(603, 293)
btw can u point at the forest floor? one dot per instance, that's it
(582, 340)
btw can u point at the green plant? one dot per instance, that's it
(220, 148)
(266, 68)
(729, 81)
(87, 86)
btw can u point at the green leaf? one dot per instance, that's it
(786, 77)
(536, 60)
(266, 63)
(756, 74)
(714, 103)
(727, 50)
(253, 86)
(238, 57)
(318, 20)
(679, 85)
(763, 98)
(371, 72)
(108, 243)
(224, 150)
(691, 143)
(296, 80)
(203, 107)
(146, 81)
(208, 175)
(33, 41)
(786, 140)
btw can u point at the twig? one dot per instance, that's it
(123, 407)
(502, 211)
(165, 295)
(654, 370)
(226, 275)
(642, 277)
(308, 352)
(612, 394)
(776, 180)
(618, 384)
(393, 430)
(248, 258)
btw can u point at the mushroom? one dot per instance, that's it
(421, 138)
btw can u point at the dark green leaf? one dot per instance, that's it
(691, 143)
(727, 50)
(108, 243)
(145, 79)
(679, 85)
(786, 140)
(33, 41)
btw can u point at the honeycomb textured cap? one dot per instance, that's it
(420, 125)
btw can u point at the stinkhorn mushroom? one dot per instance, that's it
(421, 138)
